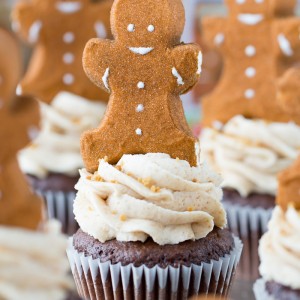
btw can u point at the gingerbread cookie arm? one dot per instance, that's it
(214, 32)
(101, 50)
(186, 69)
(26, 22)
(100, 12)
(286, 37)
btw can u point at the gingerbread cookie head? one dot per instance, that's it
(288, 92)
(257, 9)
(145, 69)
(144, 27)
(52, 26)
(289, 187)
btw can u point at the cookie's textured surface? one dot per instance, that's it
(254, 200)
(259, 41)
(146, 69)
(289, 187)
(281, 292)
(59, 30)
(215, 245)
(18, 205)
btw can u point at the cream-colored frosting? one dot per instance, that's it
(34, 265)
(57, 147)
(279, 249)
(249, 154)
(149, 195)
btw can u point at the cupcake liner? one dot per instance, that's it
(96, 280)
(249, 224)
(60, 206)
(260, 292)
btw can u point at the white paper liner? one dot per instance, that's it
(249, 224)
(260, 292)
(60, 206)
(129, 282)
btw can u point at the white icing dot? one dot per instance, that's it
(140, 108)
(68, 58)
(19, 90)
(131, 27)
(138, 131)
(249, 94)
(68, 79)
(219, 39)
(69, 37)
(250, 72)
(250, 50)
(240, 1)
(100, 30)
(218, 125)
(34, 31)
(141, 85)
(151, 28)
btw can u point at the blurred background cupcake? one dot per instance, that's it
(69, 103)
(279, 248)
(249, 137)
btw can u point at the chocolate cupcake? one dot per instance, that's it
(156, 236)
(279, 247)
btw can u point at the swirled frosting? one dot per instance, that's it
(33, 264)
(57, 147)
(279, 248)
(149, 195)
(250, 153)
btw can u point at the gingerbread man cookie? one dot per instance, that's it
(145, 69)
(259, 41)
(60, 29)
(18, 205)
(288, 93)
(289, 187)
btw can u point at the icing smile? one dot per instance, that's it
(68, 7)
(141, 50)
(250, 19)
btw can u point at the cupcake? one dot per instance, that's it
(150, 215)
(279, 247)
(249, 136)
(69, 103)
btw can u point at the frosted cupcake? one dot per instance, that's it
(250, 135)
(279, 247)
(70, 104)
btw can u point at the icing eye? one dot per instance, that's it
(150, 28)
(131, 27)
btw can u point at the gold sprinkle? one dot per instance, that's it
(89, 177)
(190, 209)
(195, 180)
(119, 168)
(155, 189)
(123, 218)
(76, 120)
(105, 158)
(177, 158)
(98, 178)
(33, 146)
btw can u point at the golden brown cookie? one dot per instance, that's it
(259, 41)
(288, 93)
(59, 30)
(145, 68)
(289, 187)
(18, 205)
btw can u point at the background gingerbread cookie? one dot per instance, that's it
(145, 112)
(59, 30)
(18, 205)
(259, 41)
